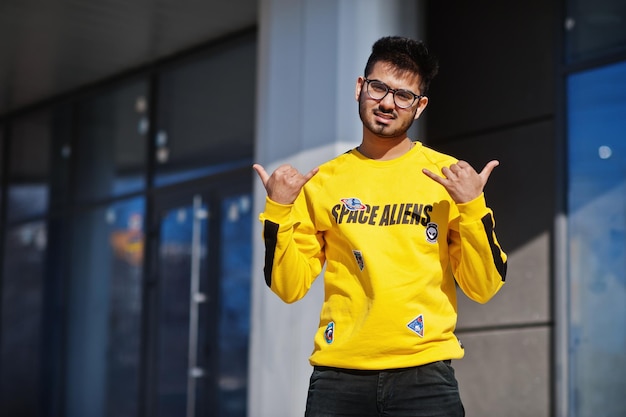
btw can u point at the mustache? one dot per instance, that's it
(386, 112)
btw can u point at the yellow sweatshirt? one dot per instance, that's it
(393, 242)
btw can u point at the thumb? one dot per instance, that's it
(486, 172)
(311, 173)
(261, 172)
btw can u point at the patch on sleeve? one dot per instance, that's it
(359, 259)
(417, 325)
(329, 333)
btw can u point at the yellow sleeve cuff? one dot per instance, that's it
(276, 212)
(474, 209)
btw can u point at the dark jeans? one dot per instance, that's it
(423, 391)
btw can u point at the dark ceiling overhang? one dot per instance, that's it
(50, 48)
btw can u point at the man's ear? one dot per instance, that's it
(359, 86)
(421, 106)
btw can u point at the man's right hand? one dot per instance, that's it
(285, 183)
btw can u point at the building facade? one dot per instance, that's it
(131, 256)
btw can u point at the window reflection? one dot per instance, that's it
(22, 319)
(175, 323)
(594, 28)
(111, 146)
(40, 152)
(206, 114)
(1, 163)
(597, 251)
(29, 167)
(71, 308)
(234, 318)
(105, 309)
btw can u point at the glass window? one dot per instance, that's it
(234, 315)
(39, 162)
(61, 128)
(597, 241)
(104, 303)
(206, 114)
(1, 162)
(23, 285)
(203, 263)
(111, 146)
(29, 166)
(183, 309)
(594, 28)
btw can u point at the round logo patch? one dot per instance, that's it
(329, 333)
(432, 232)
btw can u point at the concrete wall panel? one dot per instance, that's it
(506, 373)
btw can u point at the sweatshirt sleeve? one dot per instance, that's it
(294, 254)
(478, 262)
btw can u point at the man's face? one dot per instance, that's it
(383, 117)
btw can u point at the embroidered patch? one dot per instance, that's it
(329, 333)
(432, 232)
(417, 325)
(359, 259)
(353, 204)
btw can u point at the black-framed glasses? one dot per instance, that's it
(402, 98)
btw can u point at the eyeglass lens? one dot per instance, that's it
(378, 90)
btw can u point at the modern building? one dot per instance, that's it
(131, 256)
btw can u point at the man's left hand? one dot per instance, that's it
(461, 181)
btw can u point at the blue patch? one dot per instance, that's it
(417, 325)
(329, 333)
(353, 204)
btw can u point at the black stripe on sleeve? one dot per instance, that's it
(270, 233)
(487, 221)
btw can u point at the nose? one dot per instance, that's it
(388, 102)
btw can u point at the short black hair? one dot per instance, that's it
(406, 55)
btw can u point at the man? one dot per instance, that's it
(396, 224)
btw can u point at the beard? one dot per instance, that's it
(398, 126)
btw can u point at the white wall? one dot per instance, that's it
(310, 55)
